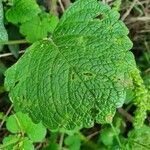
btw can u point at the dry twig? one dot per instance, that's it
(7, 113)
(10, 54)
(125, 114)
(61, 5)
(129, 10)
(66, 3)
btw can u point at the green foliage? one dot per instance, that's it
(3, 32)
(23, 133)
(139, 139)
(147, 80)
(34, 23)
(110, 135)
(117, 5)
(22, 11)
(40, 25)
(1, 115)
(73, 142)
(53, 145)
(14, 142)
(141, 101)
(144, 60)
(20, 122)
(107, 136)
(81, 75)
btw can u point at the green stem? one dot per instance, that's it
(19, 124)
(61, 141)
(87, 141)
(117, 137)
(23, 41)
(9, 143)
(141, 144)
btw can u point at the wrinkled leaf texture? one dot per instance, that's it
(80, 75)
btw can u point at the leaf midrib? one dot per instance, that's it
(92, 94)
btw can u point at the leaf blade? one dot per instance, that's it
(81, 75)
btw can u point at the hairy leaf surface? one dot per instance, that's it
(81, 75)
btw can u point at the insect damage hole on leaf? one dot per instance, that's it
(99, 16)
(16, 83)
(94, 112)
(73, 76)
(88, 74)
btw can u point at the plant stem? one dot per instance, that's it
(7, 113)
(117, 137)
(61, 5)
(10, 54)
(23, 41)
(125, 114)
(141, 144)
(9, 143)
(87, 141)
(61, 141)
(19, 124)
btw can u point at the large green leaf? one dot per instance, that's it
(80, 76)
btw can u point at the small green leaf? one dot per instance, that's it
(26, 144)
(14, 142)
(38, 27)
(73, 142)
(36, 132)
(10, 142)
(20, 122)
(107, 136)
(53, 145)
(22, 11)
